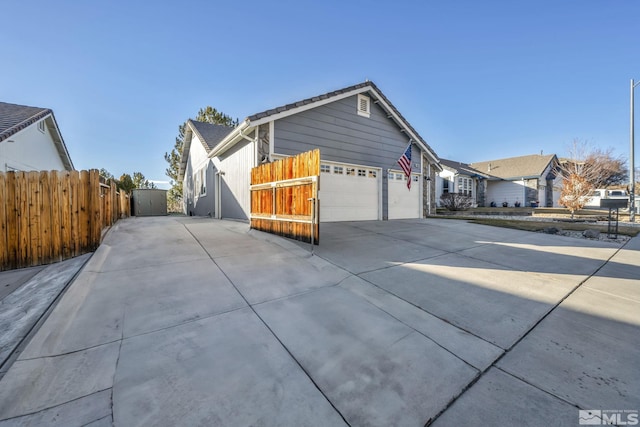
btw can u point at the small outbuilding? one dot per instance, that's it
(149, 202)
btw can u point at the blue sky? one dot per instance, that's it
(478, 79)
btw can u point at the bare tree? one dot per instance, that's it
(585, 170)
(455, 201)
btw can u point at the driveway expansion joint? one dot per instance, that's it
(308, 375)
(56, 406)
(531, 329)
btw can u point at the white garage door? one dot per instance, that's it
(348, 192)
(404, 203)
(505, 191)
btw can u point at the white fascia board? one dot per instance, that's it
(57, 140)
(403, 124)
(311, 105)
(186, 148)
(231, 139)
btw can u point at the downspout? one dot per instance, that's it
(255, 146)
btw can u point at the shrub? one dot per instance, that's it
(455, 201)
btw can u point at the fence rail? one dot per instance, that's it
(280, 193)
(47, 217)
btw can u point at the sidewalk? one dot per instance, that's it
(25, 296)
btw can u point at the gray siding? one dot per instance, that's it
(234, 183)
(344, 136)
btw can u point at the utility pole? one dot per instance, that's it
(632, 177)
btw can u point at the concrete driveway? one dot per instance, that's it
(187, 321)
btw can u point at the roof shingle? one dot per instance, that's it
(334, 93)
(515, 167)
(210, 134)
(14, 118)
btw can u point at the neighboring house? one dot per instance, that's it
(458, 177)
(360, 134)
(30, 140)
(528, 180)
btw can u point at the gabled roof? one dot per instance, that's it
(531, 166)
(461, 168)
(316, 101)
(209, 134)
(14, 118)
(367, 86)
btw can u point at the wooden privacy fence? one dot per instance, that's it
(280, 193)
(51, 216)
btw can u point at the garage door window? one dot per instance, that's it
(351, 171)
(325, 168)
(372, 174)
(338, 170)
(362, 172)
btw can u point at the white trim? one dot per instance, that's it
(311, 105)
(229, 140)
(378, 179)
(398, 121)
(363, 101)
(216, 195)
(272, 138)
(232, 138)
(347, 164)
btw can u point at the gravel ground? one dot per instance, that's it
(622, 239)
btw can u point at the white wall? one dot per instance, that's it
(30, 150)
(196, 161)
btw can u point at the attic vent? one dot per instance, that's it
(41, 125)
(364, 106)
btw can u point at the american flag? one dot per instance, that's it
(405, 163)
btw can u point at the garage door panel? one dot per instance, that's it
(402, 202)
(348, 197)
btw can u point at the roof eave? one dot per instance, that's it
(186, 147)
(380, 98)
(61, 147)
(231, 139)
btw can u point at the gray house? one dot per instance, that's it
(360, 134)
(458, 177)
(531, 179)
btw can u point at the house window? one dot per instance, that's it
(325, 168)
(41, 126)
(201, 182)
(373, 174)
(362, 172)
(464, 186)
(338, 170)
(364, 106)
(445, 186)
(351, 171)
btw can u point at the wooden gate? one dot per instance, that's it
(284, 197)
